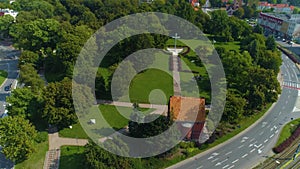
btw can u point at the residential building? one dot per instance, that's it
(9, 12)
(276, 8)
(286, 26)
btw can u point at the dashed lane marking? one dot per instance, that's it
(228, 153)
(245, 155)
(235, 161)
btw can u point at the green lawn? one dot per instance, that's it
(229, 45)
(75, 132)
(112, 116)
(3, 76)
(72, 157)
(143, 84)
(287, 131)
(36, 160)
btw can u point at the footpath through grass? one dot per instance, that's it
(36, 160)
(3, 76)
(287, 131)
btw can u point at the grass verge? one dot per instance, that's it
(3, 76)
(72, 157)
(287, 131)
(36, 160)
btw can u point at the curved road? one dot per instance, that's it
(255, 144)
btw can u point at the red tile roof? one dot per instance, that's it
(187, 109)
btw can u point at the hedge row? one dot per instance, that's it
(290, 55)
(280, 148)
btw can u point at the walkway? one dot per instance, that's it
(176, 75)
(55, 142)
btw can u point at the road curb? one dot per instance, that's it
(224, 143)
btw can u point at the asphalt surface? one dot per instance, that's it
(8, 62)
(253, 146)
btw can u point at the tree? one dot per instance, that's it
(29, 57)
(239, 13)
(17, 138)
(58, 106)
(270, 43)
(98, 158)
(5, 22)
(258, 29)
(19, 102)
(122, 78)
(234, 107)
(30, 77)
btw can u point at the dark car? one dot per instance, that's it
(8, 88)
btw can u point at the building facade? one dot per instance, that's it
(283, 25)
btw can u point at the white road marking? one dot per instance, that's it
(275, 127)
(271, 135)
(245, 138)
(243, 141)
(211, 157)
(200, 167)
(225, 166)
(257, 146)
(252, 139)
(235, 161)
(241, 146)
(228, 153)
(261, 133)
(276, 131)
(250, 145)
(266, 140)
(224, 160)
(215, 159)
(245, 155)
(259, 151)
(215, 154)
(279, 113)
(218, 164)
(252, 150)
(271, 129)
(231, 167)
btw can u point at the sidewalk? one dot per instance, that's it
(55, 142)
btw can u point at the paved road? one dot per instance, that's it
(254, 145)
(8, 62)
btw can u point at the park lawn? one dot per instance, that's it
(72, 157)
(111, 115)
(287, 131)
(75, 132)
(3, 76)
(36, 160)
(143, 85)
(229, 45)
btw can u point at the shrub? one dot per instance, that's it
(280, 148)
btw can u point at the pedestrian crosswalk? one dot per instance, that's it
(291, 84)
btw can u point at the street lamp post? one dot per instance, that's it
(175, 38)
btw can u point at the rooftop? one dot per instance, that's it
(187, 109)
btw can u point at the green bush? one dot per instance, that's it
(41, 137)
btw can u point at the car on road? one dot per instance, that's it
(8, 88)
(283, 40)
